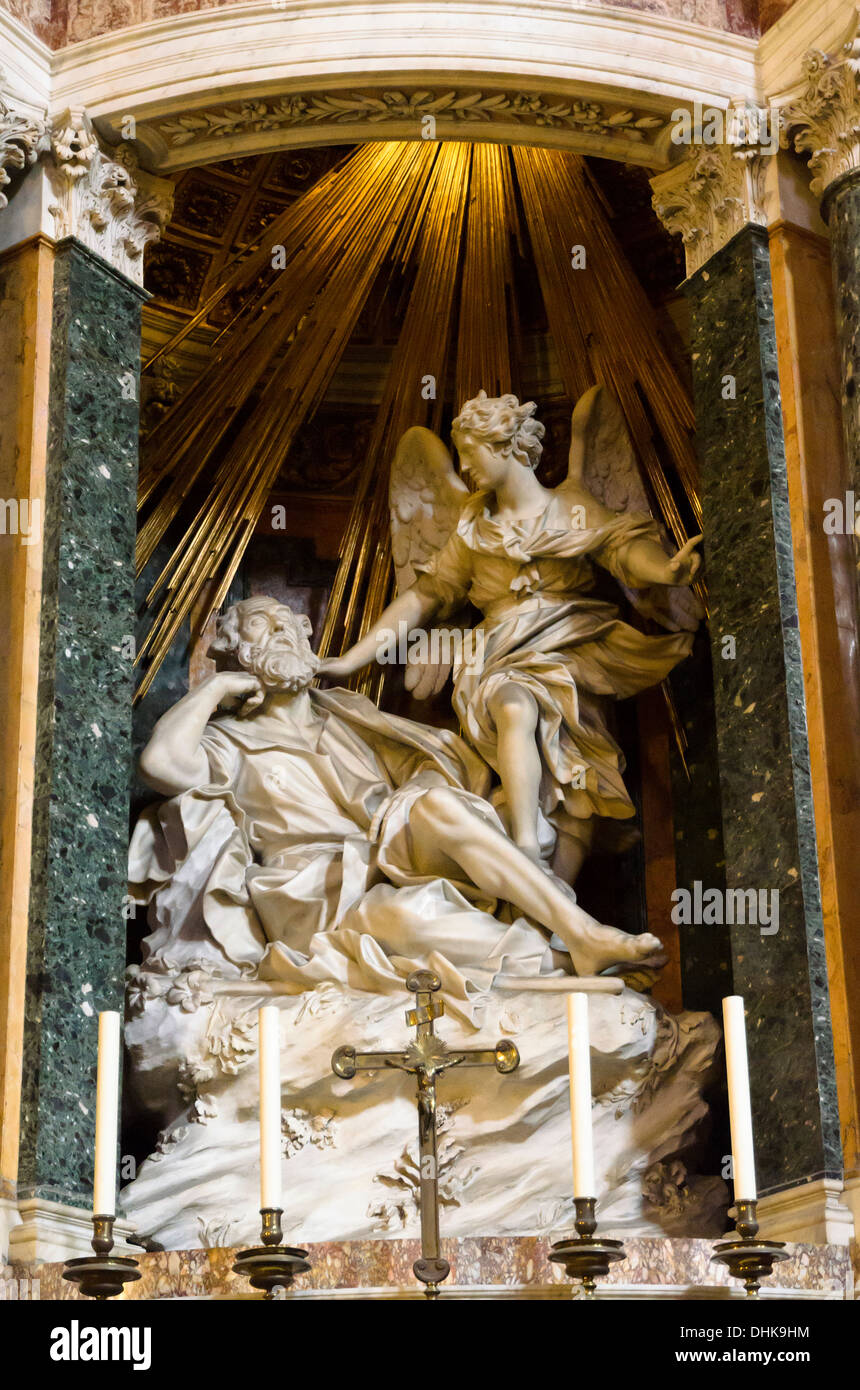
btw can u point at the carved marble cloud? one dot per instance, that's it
(350, 1151)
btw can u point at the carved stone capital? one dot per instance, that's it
(23, 138)
(104, 199)
(711, 195)
(825, 120)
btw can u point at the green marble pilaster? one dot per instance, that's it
(76, 940)
(768, 827)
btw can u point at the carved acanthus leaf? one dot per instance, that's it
(105, 200)
(825, 120)
(710, 196)
(23, 138)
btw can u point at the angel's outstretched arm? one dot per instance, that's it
(412, 608)
(646, 562)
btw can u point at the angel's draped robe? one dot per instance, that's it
(296, 860)
(542, 630)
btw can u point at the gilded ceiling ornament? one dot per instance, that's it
(825, 120)
(449, 107)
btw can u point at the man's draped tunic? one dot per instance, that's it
(296, 860)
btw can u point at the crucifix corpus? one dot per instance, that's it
(425, 1058)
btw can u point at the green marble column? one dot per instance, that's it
(77, 932)
(768, 827)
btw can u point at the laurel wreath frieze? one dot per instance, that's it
(448, 107)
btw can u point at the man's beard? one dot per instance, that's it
(277, 664)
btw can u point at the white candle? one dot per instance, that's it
(270, 1107)
(579, 1058)
(107, 1107)
(740, 1111)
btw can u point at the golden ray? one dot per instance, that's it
(335, 275)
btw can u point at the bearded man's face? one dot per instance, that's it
(281, 658)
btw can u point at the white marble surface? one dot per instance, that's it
(350, 1146)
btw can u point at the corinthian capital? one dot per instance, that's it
(825, 120)
(711, 195)
(104, 199)
(23, 138)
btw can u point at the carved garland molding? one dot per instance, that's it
(449, 109)
(825, 120)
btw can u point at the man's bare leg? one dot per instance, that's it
(515, 714)
(445, 828)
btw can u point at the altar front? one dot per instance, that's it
(488, 1269)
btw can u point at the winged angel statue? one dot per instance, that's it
(530, 690)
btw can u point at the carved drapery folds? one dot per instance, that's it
(711, 195)
(104, 199)
(825, 120)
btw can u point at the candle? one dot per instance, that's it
(270, 1107)
(579, 1057)
(107, 1107)
(740, 1111)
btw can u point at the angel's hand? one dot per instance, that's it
(686, 564)
(335, 668)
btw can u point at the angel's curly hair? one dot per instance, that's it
(502, 420)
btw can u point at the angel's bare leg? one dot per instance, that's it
(571, 851)
(446, 830)
(515, 714)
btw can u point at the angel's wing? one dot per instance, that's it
(602, 460)
(425, 499)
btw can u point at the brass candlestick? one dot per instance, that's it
(271, 1266)
(749, 1258)
(586, 1258)
(102, 1275)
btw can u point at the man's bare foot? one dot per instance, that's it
(596, 949)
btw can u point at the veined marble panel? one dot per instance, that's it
(486, 1267)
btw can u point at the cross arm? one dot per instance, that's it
(346, 1061)
(504, 1057)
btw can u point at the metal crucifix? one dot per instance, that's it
(425, 1058)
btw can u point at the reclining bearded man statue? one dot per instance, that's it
(310, 837)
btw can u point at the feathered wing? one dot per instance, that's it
(425, 499)
(603, 461)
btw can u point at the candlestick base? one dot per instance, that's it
(748, 1258)
(102, 1275)
(431, 1273)
(586, 1258)
(271, 1266)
